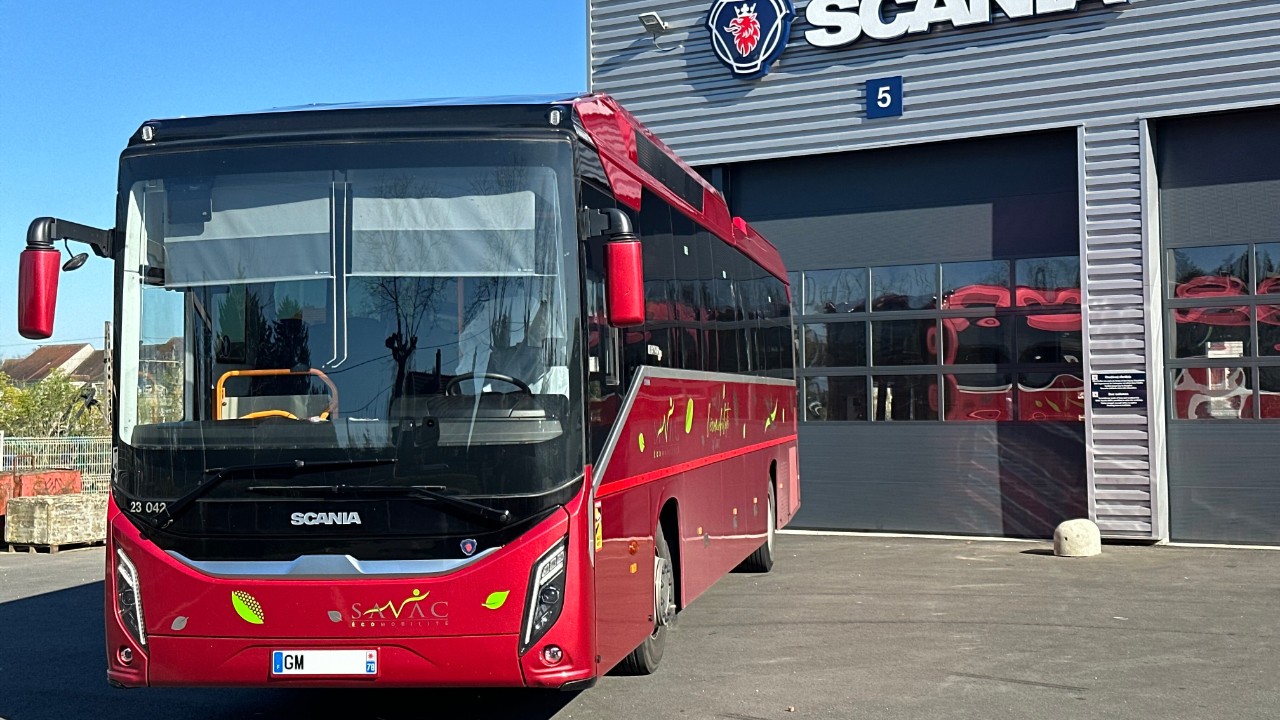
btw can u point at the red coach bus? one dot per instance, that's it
(434, 394)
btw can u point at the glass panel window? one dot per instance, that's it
(1269, 392)
(1051, 338)
(1051, 396)
(1048, 281)
(835, 291)
(975, 284)
(835, 344)
(967, 341)
(161, 381)
(1269, 330)
(979, 398)
(836, 398)
(1210, 272)
(904, 342)
(905, 397)
(1221, 332)
(1222, 393)
(904, 287)
(1268, 264)
(796, 287)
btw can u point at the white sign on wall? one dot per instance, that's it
(842, 22)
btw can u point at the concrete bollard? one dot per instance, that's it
(1077, 538)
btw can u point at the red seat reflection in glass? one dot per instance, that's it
(1061, 399)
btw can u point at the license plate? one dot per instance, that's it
(324, 662)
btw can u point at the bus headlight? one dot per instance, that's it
(546, 594)
(129, 598)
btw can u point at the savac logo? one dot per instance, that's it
(749, 35)
(412, 611)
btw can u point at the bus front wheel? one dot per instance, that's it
(645, 658)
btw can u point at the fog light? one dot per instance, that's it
(126, 656)
(552, 654)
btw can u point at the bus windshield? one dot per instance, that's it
(413, 304)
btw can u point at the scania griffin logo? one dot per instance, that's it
(330, 518)
(749, 35)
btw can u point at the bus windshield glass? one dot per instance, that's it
(407, 308)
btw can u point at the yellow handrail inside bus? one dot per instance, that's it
(220, 393)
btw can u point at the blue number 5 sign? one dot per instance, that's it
(884, 97)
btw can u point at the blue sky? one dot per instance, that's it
(77, 78)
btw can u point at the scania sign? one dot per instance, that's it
(842, 22)
(749, 35)
(325, 518)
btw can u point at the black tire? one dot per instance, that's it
(761, 561)
(645, 658)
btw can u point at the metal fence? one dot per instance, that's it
(90, 455)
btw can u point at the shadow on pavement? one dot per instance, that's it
(52, 667)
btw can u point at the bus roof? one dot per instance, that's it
(633, 157)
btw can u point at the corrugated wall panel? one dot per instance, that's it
(1149, 55)
(1115, 329)
(1101, 70)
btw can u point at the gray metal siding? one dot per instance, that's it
(1225, 484)
(1102, 70)
(1147, 57)
(1121, 482)
(997, 480)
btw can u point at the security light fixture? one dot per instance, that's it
(654, 24)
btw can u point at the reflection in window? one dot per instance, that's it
(904, 287)
(835, 291)
(1221, 332)
(835, 344)
(904, 397)
(1040, 330)
(979, 397)
(1222, 393)
(984, 341)
(1269, 392)
(836, 398)
(1210, 272)
(1048, 281)
(1051, 397)
(903, 342)
(161, 384)
(1050, 339)
(1268, 263)
(975, 284)
(1269, 329)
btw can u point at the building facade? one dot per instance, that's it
(1035, 245)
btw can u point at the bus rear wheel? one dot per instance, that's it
(645, 658)
(761, 561)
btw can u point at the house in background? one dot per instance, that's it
(81, 362)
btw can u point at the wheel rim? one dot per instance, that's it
(772, 523)
(664, 586)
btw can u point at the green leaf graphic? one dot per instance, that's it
(497, 599)
(246, 607)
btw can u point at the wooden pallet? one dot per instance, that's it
(52, 549)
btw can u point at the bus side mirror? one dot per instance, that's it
(38, 270)
(37, 291)
(625, 282)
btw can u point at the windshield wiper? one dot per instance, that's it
(296, 467)
(428, 493)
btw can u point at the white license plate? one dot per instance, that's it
(324, 662)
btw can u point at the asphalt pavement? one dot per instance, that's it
(844, 627)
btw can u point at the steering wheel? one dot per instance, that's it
(452, 385)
